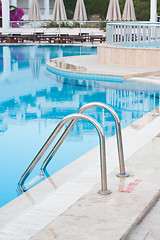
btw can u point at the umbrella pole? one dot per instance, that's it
(34, 26)
(59, 27)
(80, 28)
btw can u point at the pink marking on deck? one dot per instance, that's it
(132, 185)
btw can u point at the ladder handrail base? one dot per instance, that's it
(105, 192)
(123, 175)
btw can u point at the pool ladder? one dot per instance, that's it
(74, 118)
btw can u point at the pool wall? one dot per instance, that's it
(78, 75)
(128, 56)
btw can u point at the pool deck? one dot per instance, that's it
(89, 64)
(67, 206)
(113, 216)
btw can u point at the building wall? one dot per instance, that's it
(51, 6)
(24, 4)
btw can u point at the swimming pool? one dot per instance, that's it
(33, 100)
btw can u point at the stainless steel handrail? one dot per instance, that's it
(61, 124)
(71, 125)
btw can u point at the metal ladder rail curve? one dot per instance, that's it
(60, 125)
(71, 125)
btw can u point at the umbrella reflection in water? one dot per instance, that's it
(35, 63)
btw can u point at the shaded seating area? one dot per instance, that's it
(17, 38)
(97, 38)
(51, 38)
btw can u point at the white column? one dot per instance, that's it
(14, 3)
(153, 10)
(5, 15)
(46, 7)
(29, 3)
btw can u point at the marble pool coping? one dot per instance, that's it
(113, 216)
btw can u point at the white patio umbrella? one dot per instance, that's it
(34, 13)
(129, 12)
(113, 12)
(59, 12)
(80, 11)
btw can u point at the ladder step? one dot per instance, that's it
(34, 181)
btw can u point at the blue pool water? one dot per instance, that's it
(141, 44)
(33, 100)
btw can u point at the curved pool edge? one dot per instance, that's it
(87, 67)
(63, 67)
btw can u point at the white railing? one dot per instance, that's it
(143, 35)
